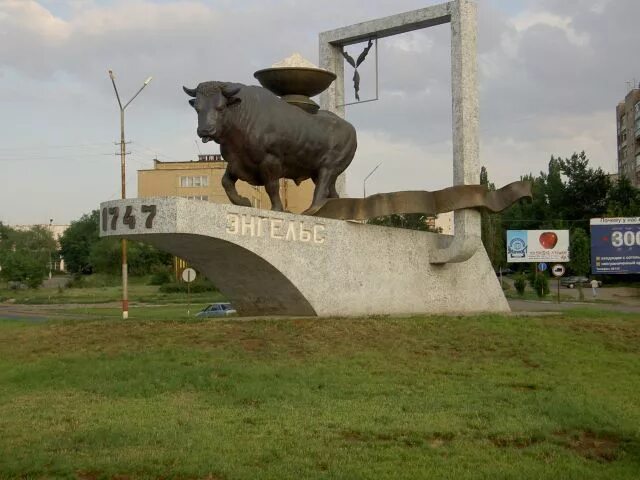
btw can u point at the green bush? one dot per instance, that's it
(196, 287)
(95, 280)
(520, 283)
(77, 281)
(541, 285)
(160, 275)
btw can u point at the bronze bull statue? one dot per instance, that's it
(264, 139)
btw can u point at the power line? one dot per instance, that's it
(43, 147)
(50, 157)
(157, 153)
(14, 158)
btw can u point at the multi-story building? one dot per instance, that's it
(202, 180)
(628, 123)
(444, 223)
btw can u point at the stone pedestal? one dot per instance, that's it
(271, 263)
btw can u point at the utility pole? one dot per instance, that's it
(123, 153)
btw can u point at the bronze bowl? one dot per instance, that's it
(285, 81)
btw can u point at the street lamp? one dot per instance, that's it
(50, 260)
(364, 182)
(125, 285)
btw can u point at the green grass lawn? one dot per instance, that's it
(489, 397)
(138, 293)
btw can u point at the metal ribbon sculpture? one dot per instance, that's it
(355, 64)
(428, 203)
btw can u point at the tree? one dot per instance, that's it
(411, 221)
(623, 199)
(4, 232)
(77, 241)
(25, 255)
(492, 232)
(585, 191)
(106, 257)
(580, 255)
(85, 252)
(554, 189)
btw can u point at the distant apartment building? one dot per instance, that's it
(444, 223)
(628, 128)
(202, 180)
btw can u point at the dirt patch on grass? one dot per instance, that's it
(353, 436)
(409, 439)
(530, 363)
(592, 446)
(253, 344)
(617, 336)
(90, 475)
(524, 387)
(514, 442)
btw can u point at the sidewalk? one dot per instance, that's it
(552, 306)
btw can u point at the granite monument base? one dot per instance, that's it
(272, 263)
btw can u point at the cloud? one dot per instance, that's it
(31, 17)
(404, 165)
(551, 73)
(528, 20)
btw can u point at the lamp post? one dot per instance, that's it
(125, 276)
(364, 182)
(50, 260)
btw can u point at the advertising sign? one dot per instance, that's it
(615, 245)
(537, 246)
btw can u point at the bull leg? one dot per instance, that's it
(229, 184)
(321, 191)
(333, 193)
(273, 190)
(271, 172)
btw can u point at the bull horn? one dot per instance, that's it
(189, 91)
(230, 89)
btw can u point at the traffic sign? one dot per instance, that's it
(542, 267)
(558, 270)
(188, 275)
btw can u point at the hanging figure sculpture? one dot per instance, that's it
(355, 65)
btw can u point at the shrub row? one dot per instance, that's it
(196, 287)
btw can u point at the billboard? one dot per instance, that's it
(537, 246)
(615, 245)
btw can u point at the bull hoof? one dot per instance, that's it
(311, 210)
(243, 202)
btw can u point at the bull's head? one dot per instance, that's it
(211, 100)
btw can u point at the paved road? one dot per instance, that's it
(545, 306)
(22, 312)
(42, 313)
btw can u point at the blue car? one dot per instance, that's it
(217, 310)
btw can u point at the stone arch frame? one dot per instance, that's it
(462, 15)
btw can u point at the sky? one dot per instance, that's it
(550, 75)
